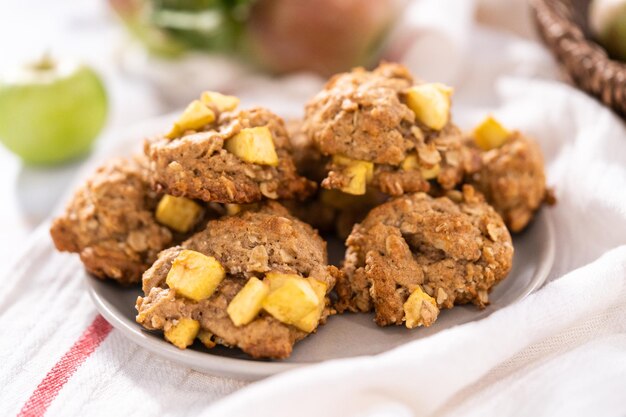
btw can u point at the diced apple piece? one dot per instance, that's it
(254, 145)
(183, 332)
(410, 163)
(220, 101)
(358, 182)
(194, 275)
(420, 309)
(430, 173)
(490, 134)
(245, 306)
(178, 213)
(195, 116)
(430, 103)
(292, 300)
(232, 209)
(309, 322)
(359, 172)
(345, 161)
(275, 280)
(206, 338)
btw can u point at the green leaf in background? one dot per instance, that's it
(212, 25)
(170, 27)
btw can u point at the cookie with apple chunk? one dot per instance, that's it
(416, 254)
(510, 172)
(216, 152)
(257, 280)
(327, 210)
(118, 224)
(382, 129)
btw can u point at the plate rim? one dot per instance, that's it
(548, 257)
(216, 365)
(244, 369)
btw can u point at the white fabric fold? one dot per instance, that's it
(544, 342)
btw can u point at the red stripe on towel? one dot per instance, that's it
(63, 370)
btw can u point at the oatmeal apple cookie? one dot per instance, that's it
(329, 211)
(416, 254)
(382, 129)
(510, 173)
(257, 280)
(111, 222)
(217, 153)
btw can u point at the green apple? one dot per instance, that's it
(51, 112)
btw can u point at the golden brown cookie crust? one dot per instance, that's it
(513, 180)
(362, 115)
(248, 244)
(197, 166)
(455, 248)
(359, 114)
(110, 222)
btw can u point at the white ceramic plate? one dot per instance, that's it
(343, 335)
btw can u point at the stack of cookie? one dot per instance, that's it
(218, 217)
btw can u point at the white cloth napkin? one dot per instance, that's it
(560, 352)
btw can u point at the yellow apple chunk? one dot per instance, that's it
(183, 332)
(309, 322)
(220, 101)
(195, 116)
(359, 172)
(345, 161)
(430, 103)
(358, 182)
(490, 134)
(245, 306)
(430, 173)
(420, 309)
(275, 280)
(232, 209)
(254, 145)
(178, 213)
(410, 163)
(344, 201)
(194, 275)
(292, 300)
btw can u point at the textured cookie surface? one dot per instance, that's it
(455, 248)
(110, 222)
(363, 115)
(513, 180)
(247, 245)
(197, 164)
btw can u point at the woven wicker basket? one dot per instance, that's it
(563, 27)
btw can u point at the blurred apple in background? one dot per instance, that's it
(323, 36)
(51, 111)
